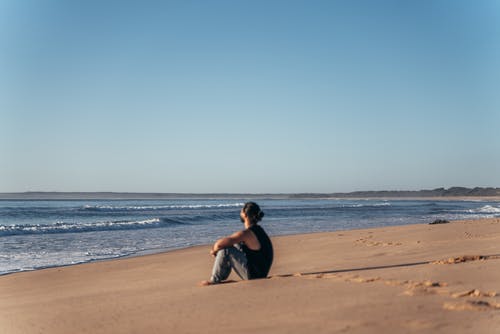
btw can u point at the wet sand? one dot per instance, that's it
(407, 279)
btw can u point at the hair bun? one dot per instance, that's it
(252, 210)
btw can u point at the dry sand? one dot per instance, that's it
(406, 279)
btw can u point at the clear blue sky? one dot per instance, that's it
(248, 96)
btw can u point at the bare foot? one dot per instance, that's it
(205, 283)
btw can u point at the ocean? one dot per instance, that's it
(46, 233)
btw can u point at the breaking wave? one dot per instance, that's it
(371, 205)
(159, 207)
(61, 227)
(485, 209)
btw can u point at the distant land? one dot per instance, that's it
(434, 193)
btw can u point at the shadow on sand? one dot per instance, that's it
(460, 259)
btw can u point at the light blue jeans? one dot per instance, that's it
(227, 259)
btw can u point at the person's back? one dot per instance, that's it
(260, 261)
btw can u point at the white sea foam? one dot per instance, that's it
(485, 209)
(61, 227)
(159, 207)
(366, 205)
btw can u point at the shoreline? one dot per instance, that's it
(116, 258)
(407, 278)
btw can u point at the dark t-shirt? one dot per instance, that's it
(259, 262)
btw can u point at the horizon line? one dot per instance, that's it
(237, 193)
(441, 192)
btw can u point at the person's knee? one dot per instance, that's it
(228, 253)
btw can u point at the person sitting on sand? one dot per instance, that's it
(248, 252)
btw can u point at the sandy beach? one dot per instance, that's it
(407, 279)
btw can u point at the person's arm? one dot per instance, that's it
(229, 241)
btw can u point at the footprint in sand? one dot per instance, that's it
(468, 235)
(369, 242)
(460, 259)
(359, 279)
(325, 276)
(425, 288)
(472, 305)
(474, 293)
